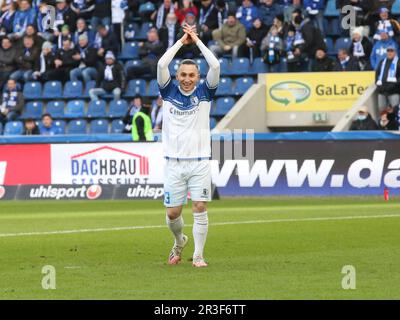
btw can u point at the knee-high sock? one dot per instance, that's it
(176, 227)
(200, 229)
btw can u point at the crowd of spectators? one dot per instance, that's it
(85, 38)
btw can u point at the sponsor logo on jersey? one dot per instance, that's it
(194, 100)
(177, 112)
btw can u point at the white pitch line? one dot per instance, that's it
(22, 234)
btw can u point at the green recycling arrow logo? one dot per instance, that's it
(289, 92)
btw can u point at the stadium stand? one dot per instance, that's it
(49, 88)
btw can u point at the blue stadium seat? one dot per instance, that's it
(258, 66)
(13, 128)
(332, 27)
(132, 63)
(242, 85)
(99, 126)
(33, 110)
(331, 10)
(129, 32)
(56, 109)
(203, 66)
(117, 126)
(222, 106)
(97, 109)
(224, 63)
(224, 87)
(283, 65)
(213, 123)
(135, 86)
(240, 66)
(75, 109)
(77, 126)
(173, 67)
(142, 34)
(52, 90)
(118, 108)
(32, 90)
(395, 11)
(89, 85)
(329, 46)
(153, 90)
(61, 124)
(342, 43)
(73, 90)
(130, 51)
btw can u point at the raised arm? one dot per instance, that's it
(213, 63)
(163, 75)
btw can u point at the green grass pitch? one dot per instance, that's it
(269, 248)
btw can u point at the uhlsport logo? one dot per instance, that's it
(93, 192)
(2, 192)
(288, 92)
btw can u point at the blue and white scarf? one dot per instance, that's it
(386, 27)
(108, 75)
(358, 49)
(391, 77)
(10, 98)
(204, 15)
(160, 15)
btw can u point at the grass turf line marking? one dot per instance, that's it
(22, 234)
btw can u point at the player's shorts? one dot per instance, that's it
(183, 176)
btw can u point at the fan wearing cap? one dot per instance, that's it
(363, 121)
(385, 25)
(361, 48)
(46, 70)
(387, 77)
(110, 79)
(187, 143)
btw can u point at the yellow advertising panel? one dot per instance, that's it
(316, 91)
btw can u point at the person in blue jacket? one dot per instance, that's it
(24, 16)
(268, 10)
(47, 126)
(379, 49)
(247, 13)
(315, 11)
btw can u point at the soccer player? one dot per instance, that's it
(187, 143)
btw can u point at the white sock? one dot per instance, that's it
(200, 229)
(176, 227)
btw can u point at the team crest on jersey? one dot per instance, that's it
(194, 100)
